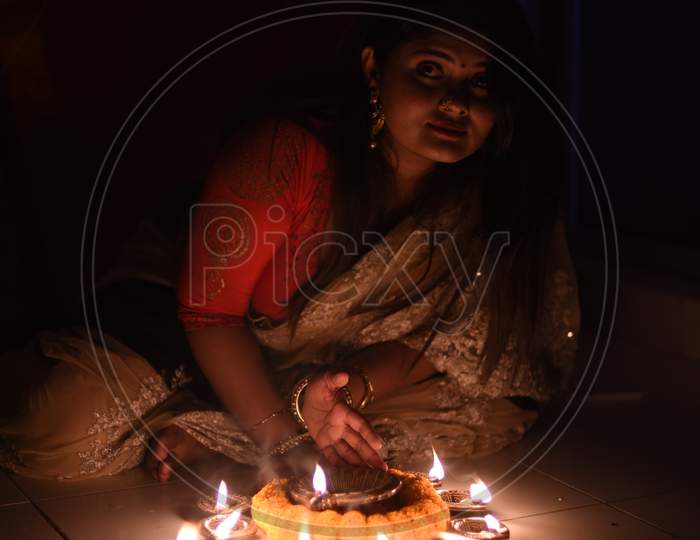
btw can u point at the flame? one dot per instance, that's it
(222, 497)
(382, 536)
(303, 535)
(437, 471)
(226, 526)
(492, 523)
(319, 480)
(188, 532)
(479, 493)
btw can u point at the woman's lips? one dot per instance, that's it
(448, 132)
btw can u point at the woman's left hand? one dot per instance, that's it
(343, 435)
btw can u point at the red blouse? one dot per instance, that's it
(253, 228)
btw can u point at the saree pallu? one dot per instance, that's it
(92, 410)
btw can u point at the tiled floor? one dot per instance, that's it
(619, 472)
(614, 474)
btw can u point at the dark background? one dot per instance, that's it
(71, 72)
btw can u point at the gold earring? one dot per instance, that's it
(376, 117)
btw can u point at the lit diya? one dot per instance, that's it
(436, 473)
(226, 526)
(482, 527)
(461, 500)
(224, 502)
(227, 521)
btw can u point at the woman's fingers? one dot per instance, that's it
(332, 382)
(348, 453)
(349, 443)
(340, 379)
(330, 436)
(155, 456)
(363, 427)
(368, 454)
(342, 415)
(158, 461)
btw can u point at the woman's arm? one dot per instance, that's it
(342, 434)
(232, 237)
(231, 359)
(246, 213)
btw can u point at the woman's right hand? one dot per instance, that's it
(343, 435)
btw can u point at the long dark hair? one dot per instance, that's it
(507, 185)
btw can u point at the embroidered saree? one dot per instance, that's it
(91, 411)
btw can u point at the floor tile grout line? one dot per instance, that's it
(607, 503)
(650, 494)
(568, 485)
(643, 520)
(598, 501)
(535, 514)
(16, 503)
(51, 523)
(654, 526)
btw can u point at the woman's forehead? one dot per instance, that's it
(464, 51)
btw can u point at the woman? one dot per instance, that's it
(342, 258)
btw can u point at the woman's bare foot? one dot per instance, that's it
(173, 440)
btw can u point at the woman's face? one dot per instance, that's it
(433, 81)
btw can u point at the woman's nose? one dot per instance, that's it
(457, 99)
(455, 103)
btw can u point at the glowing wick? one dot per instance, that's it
(319, 481)
(479, 493)
(223, 530)
(437, 472)
(222, 497)
(492, 523)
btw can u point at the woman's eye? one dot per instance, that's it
(431, 70)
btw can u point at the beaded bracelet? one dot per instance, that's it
(268, 418)
(287, 444)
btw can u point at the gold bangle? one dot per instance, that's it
(368, 396)
(267, 418)
(290, 442)
(295, 407)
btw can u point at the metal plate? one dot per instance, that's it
(347, 486)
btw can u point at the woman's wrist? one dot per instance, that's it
(268, 435)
